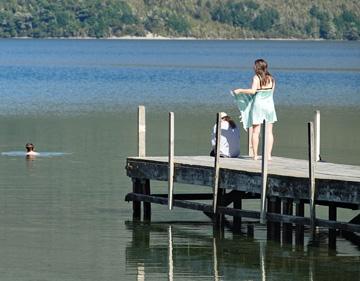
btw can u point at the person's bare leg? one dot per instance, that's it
(270, 140)
(255, 140)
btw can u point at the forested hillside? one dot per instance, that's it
(303, 19)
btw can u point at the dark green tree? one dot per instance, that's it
(178, 24)
(266, 19)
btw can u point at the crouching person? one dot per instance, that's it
(229, 139)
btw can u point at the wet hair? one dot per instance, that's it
(231, 122)
(261, 70)
(29, 147)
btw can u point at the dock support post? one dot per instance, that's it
(312, 190)
(237, 205)
(332, 232)
(273, 228)
(142, 186)
(146, 205)
(299, 233)
(219, 219)
(141, 131)
(250, 230)
(287, 227)
(216, 164)
(264, 169)
(317, 135)
(136, 204)
(171, 161)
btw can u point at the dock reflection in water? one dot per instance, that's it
(162, 251)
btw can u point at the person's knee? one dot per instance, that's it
(256, 129)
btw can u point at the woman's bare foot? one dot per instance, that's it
(255, 157)
(269, 158)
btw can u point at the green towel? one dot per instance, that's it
(256, 108)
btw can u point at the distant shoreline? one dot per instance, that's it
(158, 37)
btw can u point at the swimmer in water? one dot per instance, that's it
(30, 150)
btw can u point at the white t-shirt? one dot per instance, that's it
(229, 140)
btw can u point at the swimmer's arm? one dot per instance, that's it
(252, 91)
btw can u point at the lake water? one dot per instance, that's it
(64, 217)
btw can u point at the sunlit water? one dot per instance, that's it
(63, 216)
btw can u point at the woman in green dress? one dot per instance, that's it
(260, 106)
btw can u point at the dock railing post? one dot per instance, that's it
(264, 163)
(141, 131)
(312, 187)
(250, 147)
(317, 135)
(216, 165)
(171, 161)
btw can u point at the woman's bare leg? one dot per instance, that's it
(255, 140)
(270, 140)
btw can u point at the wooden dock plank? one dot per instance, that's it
(286, 177)
(277, 166)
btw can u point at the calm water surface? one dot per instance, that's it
(64, 217)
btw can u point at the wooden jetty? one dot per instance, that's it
(283, 186)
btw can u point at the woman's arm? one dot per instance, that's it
(255, 85)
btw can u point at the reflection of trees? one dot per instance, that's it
(174, 250)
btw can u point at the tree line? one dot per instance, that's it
(171, 18)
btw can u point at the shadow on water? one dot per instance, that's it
(188, 250)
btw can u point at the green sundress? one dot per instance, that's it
(256, 108)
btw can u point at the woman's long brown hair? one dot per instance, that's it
(261, 70)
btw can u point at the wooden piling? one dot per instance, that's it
(250, 230)
(264, 171)
(141, 131)
(273, 228)
(237, 205)
(277, 225)
(299, 228)
(311, 153)
(216, 164)
(136, 204)
(269, 224)
(146, 205)
(332, 232)
(219, 218)
(317, 135)
(171, 161)
(287, 227)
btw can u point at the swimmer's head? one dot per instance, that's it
(29, 147)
